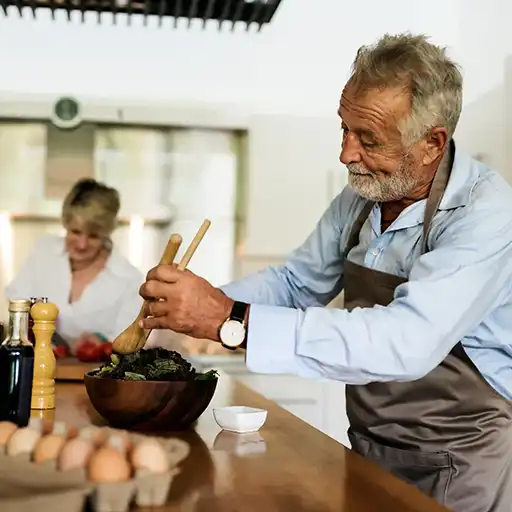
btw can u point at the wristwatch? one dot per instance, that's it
(233, 331)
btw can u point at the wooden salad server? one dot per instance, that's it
(134, 337)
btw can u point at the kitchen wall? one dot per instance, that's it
(285, 80)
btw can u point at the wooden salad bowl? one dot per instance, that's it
(150, 406)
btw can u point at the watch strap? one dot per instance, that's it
(238, 311)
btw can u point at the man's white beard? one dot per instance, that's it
(391, 187)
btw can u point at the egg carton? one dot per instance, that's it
(145, 489)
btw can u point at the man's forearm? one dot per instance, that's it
(265, 287)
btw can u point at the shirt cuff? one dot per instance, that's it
(271, 339)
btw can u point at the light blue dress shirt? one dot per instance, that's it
(460, 290)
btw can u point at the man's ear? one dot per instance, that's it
(434, 144)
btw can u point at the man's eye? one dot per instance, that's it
(368, 144)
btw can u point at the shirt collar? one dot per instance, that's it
(115, 262)
(464, 174)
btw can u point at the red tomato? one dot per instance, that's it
(89, 352)
(60, 352)
(106, 351)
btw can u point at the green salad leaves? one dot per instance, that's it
(152, 364)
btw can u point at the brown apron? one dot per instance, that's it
(448, 433)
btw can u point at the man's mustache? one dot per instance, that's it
(359, 170)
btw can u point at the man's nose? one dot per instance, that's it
(350, 150)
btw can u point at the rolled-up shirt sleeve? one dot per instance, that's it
(450, 290)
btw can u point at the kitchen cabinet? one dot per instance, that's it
(293, 169)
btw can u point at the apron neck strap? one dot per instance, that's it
(353, 238)
(437, 191)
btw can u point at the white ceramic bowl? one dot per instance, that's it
(240, 419)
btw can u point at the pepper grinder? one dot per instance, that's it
(44, 315)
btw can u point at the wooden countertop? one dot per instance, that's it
(288, 466)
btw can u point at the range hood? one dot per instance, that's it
(249, 12)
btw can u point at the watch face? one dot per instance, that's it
(232, 333)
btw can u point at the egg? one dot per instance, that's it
(7, 429)
(109, 464)
(76, 453)
(49, 447)
(23, 441)
(150, 454)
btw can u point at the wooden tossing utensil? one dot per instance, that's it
(133, 338)
(194, 245)
(182, 265)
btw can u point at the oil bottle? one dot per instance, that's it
(16, 366)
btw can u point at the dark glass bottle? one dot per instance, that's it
(16, 366)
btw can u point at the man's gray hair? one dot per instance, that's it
(433, 80)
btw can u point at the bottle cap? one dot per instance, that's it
(19, 306)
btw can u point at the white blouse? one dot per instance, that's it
(107, 305)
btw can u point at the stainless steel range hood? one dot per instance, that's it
(248, 12)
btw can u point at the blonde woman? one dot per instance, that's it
(94, 286)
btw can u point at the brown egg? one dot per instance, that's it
(22, 441)
(50, 446)
(150, 454)
(75, 454)
(7, 429)
(109, 464)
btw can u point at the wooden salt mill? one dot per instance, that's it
(44, 315)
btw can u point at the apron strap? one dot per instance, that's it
(353, 238)
(437, 191)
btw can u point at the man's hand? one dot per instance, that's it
(184, 302)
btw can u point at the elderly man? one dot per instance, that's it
(421, 244)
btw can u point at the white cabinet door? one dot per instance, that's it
(291, 162)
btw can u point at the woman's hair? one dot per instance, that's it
(94, 204)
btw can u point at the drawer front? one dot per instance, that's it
(310, 413)
(282, 387)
